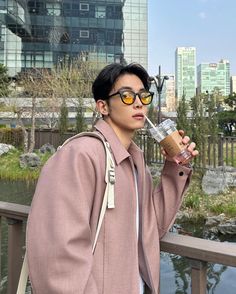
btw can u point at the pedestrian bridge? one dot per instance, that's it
(198, 251)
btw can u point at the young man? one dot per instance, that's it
(66, 206)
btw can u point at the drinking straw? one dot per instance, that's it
(149, 121)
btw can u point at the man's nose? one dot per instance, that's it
(137, 102)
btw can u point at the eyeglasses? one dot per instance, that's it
(128, 97)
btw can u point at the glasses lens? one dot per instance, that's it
(146, 97)
(127, 97)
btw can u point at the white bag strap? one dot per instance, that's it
(108, 202)
(23, 277)
(109, 195)
(110, 166)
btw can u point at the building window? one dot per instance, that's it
(84, 34)
(84, 7)
(53, 9)
(100, 11)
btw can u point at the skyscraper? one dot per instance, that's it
(233, 84)
(41, 33)
(185, 72)
(214, 75)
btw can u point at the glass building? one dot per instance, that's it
(185, 72)
(233, 84)
(214, 75)
(41, 33)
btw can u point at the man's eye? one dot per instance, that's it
(127, 95)
(145, 94)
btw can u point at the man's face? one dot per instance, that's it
(127, 118)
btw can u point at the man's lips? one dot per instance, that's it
(138, 115)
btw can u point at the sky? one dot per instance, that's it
(208, 25)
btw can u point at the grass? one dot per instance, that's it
(200, 205)
(10, 167)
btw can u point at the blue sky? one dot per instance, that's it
(208, 25)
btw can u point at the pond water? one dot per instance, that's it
(175, 270)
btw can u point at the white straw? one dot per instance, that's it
(149, 122)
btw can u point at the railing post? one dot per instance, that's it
(220, 149)
(15, 234)
(199, 276)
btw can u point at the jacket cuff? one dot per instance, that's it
(173, 168)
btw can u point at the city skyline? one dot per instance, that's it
(207, 25)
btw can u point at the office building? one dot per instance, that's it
(168, 94)
(233, 84)
(213, 76)
(168, 99)
(41, 33)
(185, 72)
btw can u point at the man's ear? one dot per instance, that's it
(102, 107)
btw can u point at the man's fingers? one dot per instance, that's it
(186, 140)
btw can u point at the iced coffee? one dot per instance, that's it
(169, 138)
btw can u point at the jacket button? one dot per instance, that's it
(181, 173)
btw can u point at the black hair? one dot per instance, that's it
(106, 79)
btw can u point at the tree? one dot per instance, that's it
(227, 119)
(4, 81)
(211, 102)
(80, 125)
(183, 123)
(227, 122)
(72, 80)
(199, 129)
(47, 93)
(25, 108)
(63, 118)
(231, 101)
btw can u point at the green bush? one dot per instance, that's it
(12, 136)
(192, 201)
(228, 209)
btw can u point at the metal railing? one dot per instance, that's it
(198, 251)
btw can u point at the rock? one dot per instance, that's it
(155, 170)
(228, 228)
(212, 221)
(220, 225)
(5, 148)
(47, 148)
(218, 180)
(30, 160)
(183, 216)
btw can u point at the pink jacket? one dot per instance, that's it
(65, 210)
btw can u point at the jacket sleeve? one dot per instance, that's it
(59, 246)
(168, 195)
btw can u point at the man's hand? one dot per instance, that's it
(190, 147)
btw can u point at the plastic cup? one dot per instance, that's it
(169, 138)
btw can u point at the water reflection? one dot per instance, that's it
(176, 276)
(176, 270)
(20, 192)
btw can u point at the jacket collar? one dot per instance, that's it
(119, 151)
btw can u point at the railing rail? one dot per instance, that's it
(198, 251)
